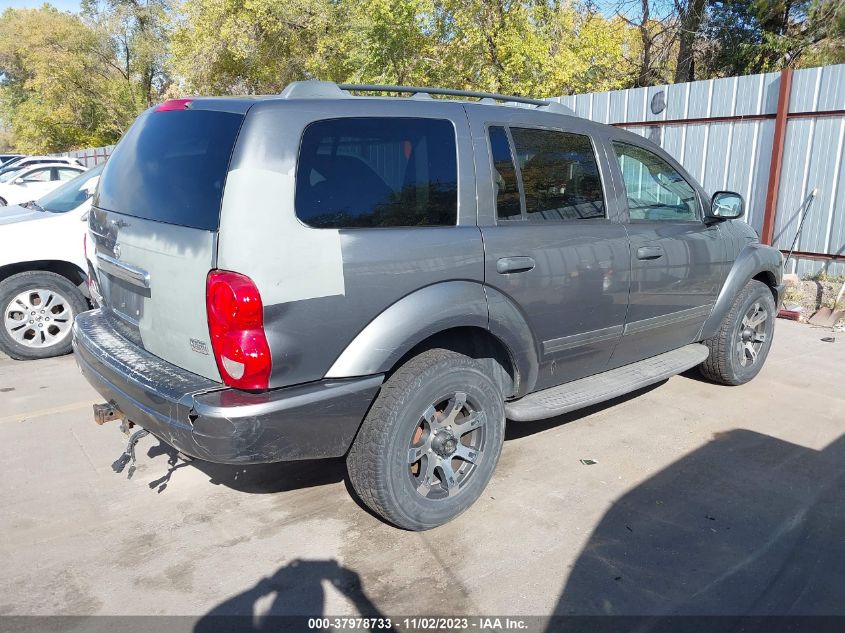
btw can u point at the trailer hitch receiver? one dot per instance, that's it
(106, 413)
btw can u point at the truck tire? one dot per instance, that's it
(740, 347)
(430, 442)
(38, 312)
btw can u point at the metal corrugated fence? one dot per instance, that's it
(91, 156)
(724, 132)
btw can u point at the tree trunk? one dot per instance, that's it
(691, 17)
(643, 77)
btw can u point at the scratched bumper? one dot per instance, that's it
(203, 419)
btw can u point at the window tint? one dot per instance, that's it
(171, 167)
(559, 174)
(377, 172)
(655, 190)
(508, 206)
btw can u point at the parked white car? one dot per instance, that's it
(28, 161)
(30, 183)
(43, 269)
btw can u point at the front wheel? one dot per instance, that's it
(430, 443)
(38, 311)
(740, 347)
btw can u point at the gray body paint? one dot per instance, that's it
(342, 307)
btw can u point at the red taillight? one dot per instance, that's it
(174, 104)
(236, 325)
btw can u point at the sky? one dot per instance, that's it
(64, 5)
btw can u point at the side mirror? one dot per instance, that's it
(726, 205)
(20, 181)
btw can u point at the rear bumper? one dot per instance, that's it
(203, 419)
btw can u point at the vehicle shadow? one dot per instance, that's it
(253, 478)
(285, 476)
(745, 525)
(296, 592)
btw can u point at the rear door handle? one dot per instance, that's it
(649, 252)
(521, 264)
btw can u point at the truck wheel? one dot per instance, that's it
(739, 348)
(38, 311)
(430, 442)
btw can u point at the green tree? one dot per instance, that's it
(59, 87)
(523, 46)
(138, 34)
(753, 36)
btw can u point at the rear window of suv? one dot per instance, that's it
(377, 172)
(171, 167)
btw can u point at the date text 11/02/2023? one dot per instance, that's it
(419, 623)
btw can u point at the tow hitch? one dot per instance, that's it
(106, 413)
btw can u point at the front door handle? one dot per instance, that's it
(649, 252)
(521, 264)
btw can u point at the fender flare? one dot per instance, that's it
(752, 260)
(429, 311)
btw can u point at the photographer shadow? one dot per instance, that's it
(298, 593)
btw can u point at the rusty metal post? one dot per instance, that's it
(776, 165)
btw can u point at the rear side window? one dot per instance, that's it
(377, 172)
(171, 167)
(560, 175)
(506, 184)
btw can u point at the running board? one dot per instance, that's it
(605, 386)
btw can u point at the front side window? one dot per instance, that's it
(560, 175)
(38, 175)
(377, 172)
(655, 190)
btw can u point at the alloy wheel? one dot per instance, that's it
(752, 334)
(38, 318)
(446, 446)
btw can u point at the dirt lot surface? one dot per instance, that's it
(704, 499)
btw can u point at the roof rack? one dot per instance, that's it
(441, 91)
(327, 90)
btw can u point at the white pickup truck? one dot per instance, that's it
(43, 269)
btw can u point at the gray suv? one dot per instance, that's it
(317, 274)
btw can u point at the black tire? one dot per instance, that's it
(2, 202)
(729, 358)
(398, 424)
(72, 298)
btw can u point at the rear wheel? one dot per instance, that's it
(430, 443)
(38, 312)
(740, 347)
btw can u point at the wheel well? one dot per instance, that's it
(477, 343)
(770, 280)
(69, 271)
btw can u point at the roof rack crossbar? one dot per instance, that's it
(441, 91)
